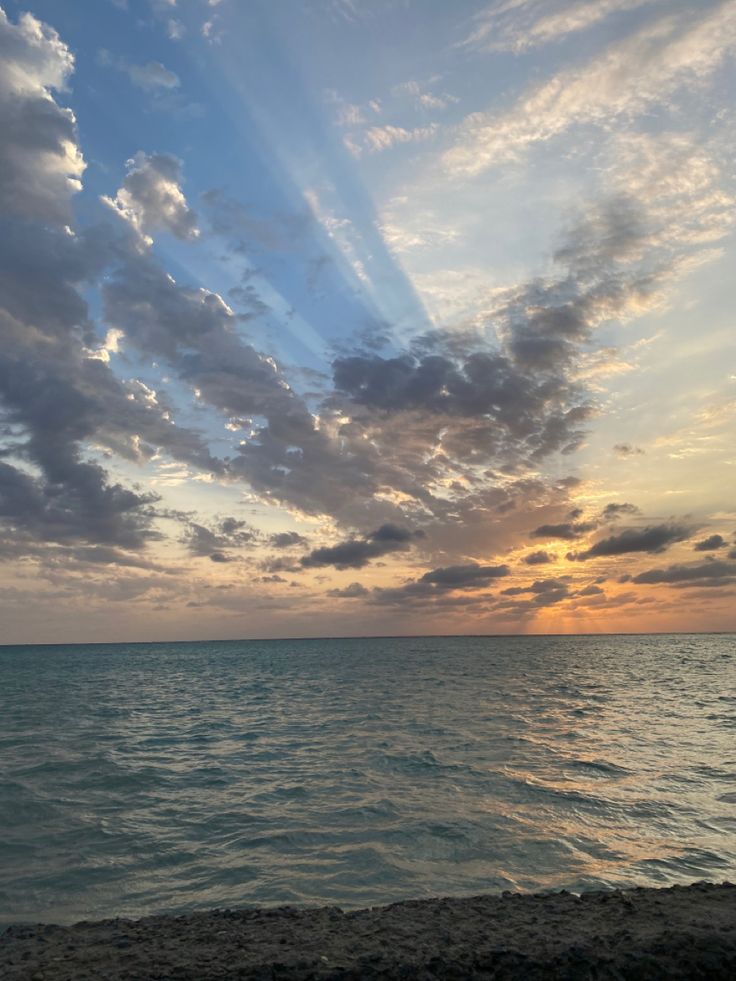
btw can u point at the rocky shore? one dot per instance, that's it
(679, 932)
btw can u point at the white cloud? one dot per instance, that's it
(680, 183)
(429, 101)
(151, 76)
(41, 164)
(520, 24)
(379, 138)
(421, 96)
(175, 29)
(350, 115)
(151, 197)
(625, 80)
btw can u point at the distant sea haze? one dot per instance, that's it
(149, 778)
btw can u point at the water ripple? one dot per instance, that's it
(141, 778)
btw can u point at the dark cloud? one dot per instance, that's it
(55, 397)
(439, 585)
(287, 539)
(611, 512)
(58, 395)
(592, 590)
(73, 503)
(354, 591)
(710, 544)
(544, 592)
(286, 459)
(441, 432)
(211, 543)
(352, 554)
(469, 576)
(394, 533)
(538, 586)
(567, 530)
(280, 565)
(395, 427)
(626, 449)
(358, 552)
(699, 573)
(511, 411)
(655, 538)
(539, 558)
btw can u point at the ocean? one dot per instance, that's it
(143, 778)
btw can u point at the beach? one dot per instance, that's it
(677, 932)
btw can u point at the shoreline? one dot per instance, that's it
(674, 932)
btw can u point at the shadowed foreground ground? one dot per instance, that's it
(681, 932)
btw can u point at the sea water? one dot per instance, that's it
(167, 777)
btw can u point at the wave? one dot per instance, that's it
(360, 772)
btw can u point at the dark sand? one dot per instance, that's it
(681, 932)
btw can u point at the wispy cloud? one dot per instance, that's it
(632, 75)
(151, 76)
(378, 138)
(517, 25)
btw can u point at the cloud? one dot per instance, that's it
(592, 590)
(151, 76)
(356, 552)
(407, 429)
(151, 198)
(630, 76)
(448, 430)
(544, 592)
(612, 512)
(626, 449)
(712, 571)
(409, 425)
(710, 544)
(280, 565)
(655, 538)
(41, 164)
(354, 591)
(440, 586)
(378, 138)
(392, 533)
(212, 543)
(287, 539)
(517, 25)
(421, 96)
(539, 558)
(175, 30)
(73, 503)
(567, 530)
(469, 576)
(57, 392)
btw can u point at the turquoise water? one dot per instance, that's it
(146, 778)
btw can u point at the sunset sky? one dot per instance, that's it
(366, 317)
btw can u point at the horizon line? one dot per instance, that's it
(260, 640)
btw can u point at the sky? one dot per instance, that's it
(346, 317)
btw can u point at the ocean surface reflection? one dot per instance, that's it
(144, 778)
